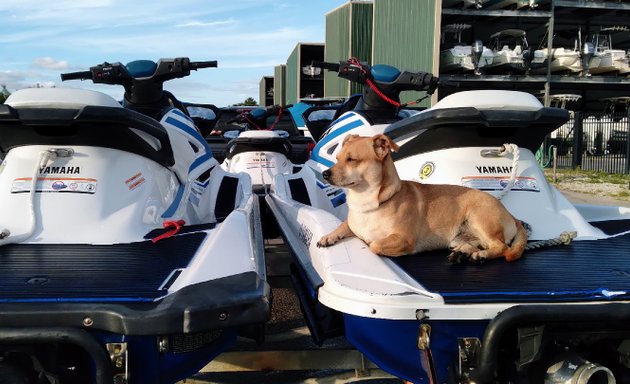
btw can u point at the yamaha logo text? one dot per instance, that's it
(60, 170)
(492, 169)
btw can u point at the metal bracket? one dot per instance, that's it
(468, 348)
(529, 344)
(492, 152)
(118, 355)
(424, 339)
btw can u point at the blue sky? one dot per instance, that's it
(41, 39)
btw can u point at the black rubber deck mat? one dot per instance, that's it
(582, 271)
(611, 227)
(82, 272)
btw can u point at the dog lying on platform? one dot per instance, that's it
(397, 217)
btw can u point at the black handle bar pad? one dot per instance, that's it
(203, 64)
(82, 75)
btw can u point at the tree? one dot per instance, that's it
(4, 93)
(248, 102)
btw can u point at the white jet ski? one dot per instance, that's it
(127, 253)
(561, 312)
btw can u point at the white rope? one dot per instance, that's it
(565, 238)
(505, 150)
(44, 157)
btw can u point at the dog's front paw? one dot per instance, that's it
(457, 257)
(327, 240)
(479, 257)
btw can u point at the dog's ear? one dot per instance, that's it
(348, 138)
(383, 145)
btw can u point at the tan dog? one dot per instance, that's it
(396, 217)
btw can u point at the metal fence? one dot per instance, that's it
(591, 142)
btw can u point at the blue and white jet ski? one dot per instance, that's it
(559, 314)
(127, 254)
(265, 142)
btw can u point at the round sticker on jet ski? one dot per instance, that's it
(426, 170)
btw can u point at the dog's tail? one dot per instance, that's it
(515, 250)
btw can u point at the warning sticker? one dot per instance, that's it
(260, 160)
(135, 181)
(491, 183)
(49, 184)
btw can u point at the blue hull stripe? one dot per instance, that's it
(199, 161)
(173, 207)
(338, 132)
(182, 114)
(338, 200)
(344, 117)
(190, 131)
(79, 300)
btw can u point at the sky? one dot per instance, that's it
(39, 40)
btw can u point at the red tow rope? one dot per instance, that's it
(175, 224)
(370, 83)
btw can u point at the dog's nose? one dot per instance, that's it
(326, 174)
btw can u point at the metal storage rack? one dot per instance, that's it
(541, 21)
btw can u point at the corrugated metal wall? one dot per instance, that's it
(361, 36)
(404, 36)
(292, 76)
(348, 34)
(337, 48)
(262, 90)
(265, 91)
(279, 85)
(402, 33)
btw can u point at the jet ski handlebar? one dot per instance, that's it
(256, 117)
(122, 74)
(382, 75)
(143, 79)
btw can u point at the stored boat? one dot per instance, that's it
(557, 314)
(607, 59)
(564, 59)
(508, 47)
(128, 253)
(463, 57)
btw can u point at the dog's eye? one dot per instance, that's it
(349, 159)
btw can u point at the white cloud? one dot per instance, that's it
(11, 78)
(50, 63)
(220, 23)
(39, 40)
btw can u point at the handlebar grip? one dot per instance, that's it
(434, 83)
(326, 65)
(82, 75)
(203, 64)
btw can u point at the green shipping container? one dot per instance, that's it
(348, 34)
(279, 81)
(265, 91)
(407, 36)
(301, 80)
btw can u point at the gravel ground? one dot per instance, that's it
(591, 187)
(589, 193)
(588, 197)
